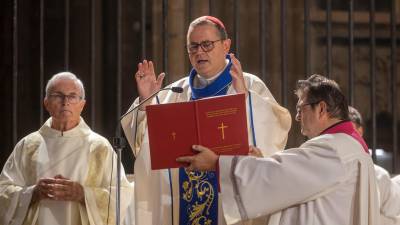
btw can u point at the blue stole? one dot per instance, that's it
(199, 190)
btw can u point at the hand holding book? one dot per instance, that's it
(219, 123)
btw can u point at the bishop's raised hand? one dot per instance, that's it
(238, 82)
(146, 80)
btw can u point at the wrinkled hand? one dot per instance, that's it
(256, 152)
(238, 82)
(59, 188)
(204, 160)
(147, 82)
(42, 189)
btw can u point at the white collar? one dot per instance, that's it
(201, 82)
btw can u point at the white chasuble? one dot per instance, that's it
(79, 155)
(327, 180)
(157, 191)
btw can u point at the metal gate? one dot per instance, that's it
(102, 42)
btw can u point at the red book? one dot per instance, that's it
(219, 123)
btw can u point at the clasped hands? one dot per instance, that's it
(58, 188)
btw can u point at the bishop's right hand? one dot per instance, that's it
(147, 82)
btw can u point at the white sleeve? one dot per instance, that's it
(15, 194)
(253, 187)
(134, 126)
(389, 193)
(396, 179)
(271, 121)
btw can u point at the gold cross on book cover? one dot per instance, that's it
(219, 123)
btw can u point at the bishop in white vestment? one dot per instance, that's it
(159, 193)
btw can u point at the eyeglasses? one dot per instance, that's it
(73, 99)
(301, 106)
(205, 45)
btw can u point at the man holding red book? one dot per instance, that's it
(329, 179)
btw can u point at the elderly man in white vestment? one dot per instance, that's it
(64, 173)
(327, 180)
(389, 188)
(160, 194)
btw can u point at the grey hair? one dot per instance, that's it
(355, 116)
(65, 76)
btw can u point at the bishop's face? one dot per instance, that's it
(308, 117)
(64, 101)
(207, 60)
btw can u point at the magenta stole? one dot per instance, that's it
(346, 127)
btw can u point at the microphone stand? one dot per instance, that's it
(119, 143)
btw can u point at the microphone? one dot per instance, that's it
(118, 140)
(173, 89)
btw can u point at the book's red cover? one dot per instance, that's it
(219, 123)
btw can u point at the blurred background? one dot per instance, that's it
(354, 42)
